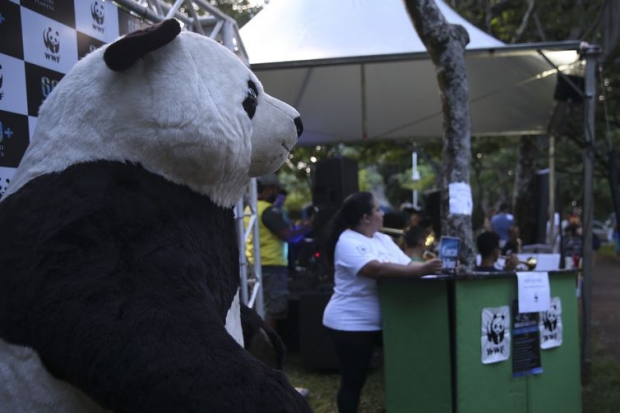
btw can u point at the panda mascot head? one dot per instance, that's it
(119, 268)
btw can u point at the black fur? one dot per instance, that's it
(121, 281)
(126, 51)
(261, 340)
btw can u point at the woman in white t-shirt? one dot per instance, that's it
(361, 255)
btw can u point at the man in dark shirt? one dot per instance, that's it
(488, 248)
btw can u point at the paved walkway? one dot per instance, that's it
(606, 303)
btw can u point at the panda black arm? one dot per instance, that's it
(160, 350)
(127, 293)
(260, 339)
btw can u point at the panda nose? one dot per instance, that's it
(299, 125)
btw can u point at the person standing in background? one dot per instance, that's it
(487, 244)
(415, 214)
(501, 223)
(274, 232)
(361, 255)
(415, 243)
(513, 245)
(487, 220)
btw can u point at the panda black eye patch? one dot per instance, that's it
(251, 99)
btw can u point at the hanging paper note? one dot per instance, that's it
(460, 198)
(533, 290)
(550, 325)
(495, 339)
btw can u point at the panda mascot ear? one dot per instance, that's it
(123, 53)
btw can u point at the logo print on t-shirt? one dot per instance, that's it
(362, 249)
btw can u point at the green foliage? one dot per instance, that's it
(382, 166)
(387, 165)
(562, 20)
(240, 10)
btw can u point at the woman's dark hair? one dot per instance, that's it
(353, 209)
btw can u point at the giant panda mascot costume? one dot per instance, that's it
(119, 267)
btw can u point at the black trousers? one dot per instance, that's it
(354, 350)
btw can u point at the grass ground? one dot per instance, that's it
(600, 395)
(323, 387)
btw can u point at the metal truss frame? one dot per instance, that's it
(196, 16)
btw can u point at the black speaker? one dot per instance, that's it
(334, 180)
(565, 92)
(432, 209)
(317, 351)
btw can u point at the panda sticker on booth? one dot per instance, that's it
(550, 325)
(119, 271)
(496, 340)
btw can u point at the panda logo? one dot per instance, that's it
(51, 39)
(4, 185)
(496, 328)
(97, 11)
(550, 318)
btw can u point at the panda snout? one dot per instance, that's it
(299, 125)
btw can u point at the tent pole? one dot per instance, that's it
(551, 232)
(364, 105)
(591, 54)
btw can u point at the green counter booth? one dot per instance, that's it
(433, 334)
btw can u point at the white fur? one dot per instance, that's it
(233, 320)
(28, 387)
(178, 112)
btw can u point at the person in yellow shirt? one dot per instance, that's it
(273, 231)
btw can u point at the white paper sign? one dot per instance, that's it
(495, 339)
(460, 198)
(533, 290)
(550, 325)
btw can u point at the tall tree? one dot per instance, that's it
(445, 44)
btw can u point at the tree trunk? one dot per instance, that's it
(445, 44)
(524, 200)
(611, 28)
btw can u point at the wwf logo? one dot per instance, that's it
(4, 186)
(47, 85)
(51, 40)
(98, 13)
(496, 328)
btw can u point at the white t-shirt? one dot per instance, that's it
(354, 305)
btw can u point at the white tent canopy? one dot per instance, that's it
(356, 69)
